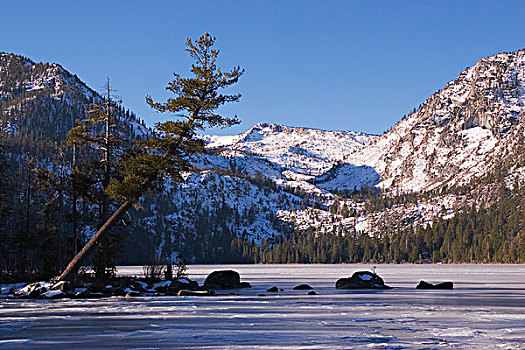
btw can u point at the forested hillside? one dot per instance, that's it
(39, 104)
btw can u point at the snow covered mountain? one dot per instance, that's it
(273, 180)
(254, 186)
(302, 153)
(294, 178)
(459, 133)
(19, 75)
(39, 103)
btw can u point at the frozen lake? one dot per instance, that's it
(486, 310)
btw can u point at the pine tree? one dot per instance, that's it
(168, 153)
(103, 135)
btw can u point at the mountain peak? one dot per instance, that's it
(304, 151)
(43, 100)
(456, 134)
(20, 75)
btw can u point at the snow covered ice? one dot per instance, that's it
(486, 310)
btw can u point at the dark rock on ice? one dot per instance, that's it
(302, 287)
(139, 286)
(312, 292)
(225, 279)
(32, 290)
(35, 293)
(160, 287)
(186, 283)
(274, 289)
(96, 289)
(362, 280)
(181, 284)
(443, 285)
(245, 285)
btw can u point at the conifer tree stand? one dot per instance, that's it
(167, 154)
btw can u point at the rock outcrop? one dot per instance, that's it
(224, 279)
(125, 286)
(362, 280)
(442, 285)
(302, 287)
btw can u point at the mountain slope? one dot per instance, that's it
(39, 103)
(253, 186)
(458, 133)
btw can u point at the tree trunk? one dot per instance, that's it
(74, 265)
(74, 200)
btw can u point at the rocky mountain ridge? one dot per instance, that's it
(302, 151)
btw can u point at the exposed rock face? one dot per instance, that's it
(362, 280)
(225, 279)
(442, 285)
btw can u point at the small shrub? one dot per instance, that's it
(154, 270)
(180, 268)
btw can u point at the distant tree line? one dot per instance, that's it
(488, 234)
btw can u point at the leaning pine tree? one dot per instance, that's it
(168, 154)
(102, 134)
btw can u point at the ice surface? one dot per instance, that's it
(485, 310)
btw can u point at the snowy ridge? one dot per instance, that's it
(304, 152)
(41, 76)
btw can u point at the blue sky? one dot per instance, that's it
(336, 65)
